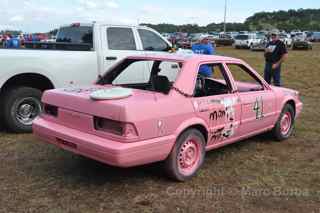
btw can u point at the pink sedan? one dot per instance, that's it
(157, 108)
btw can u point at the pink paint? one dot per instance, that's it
(153, 121)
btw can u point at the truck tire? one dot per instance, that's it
(187, 156)
(21, 106)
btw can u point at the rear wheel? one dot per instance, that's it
(21, 106)
(187, 156)
(285, 124)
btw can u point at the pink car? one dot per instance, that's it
(158, 108)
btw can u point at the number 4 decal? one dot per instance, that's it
(258, 108)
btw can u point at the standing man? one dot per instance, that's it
(205, 47)
(275, 54)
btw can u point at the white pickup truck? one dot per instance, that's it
(81, 53)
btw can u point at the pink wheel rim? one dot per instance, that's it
(285, 123)
(188, 157)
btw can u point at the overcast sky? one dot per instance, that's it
(44, 15)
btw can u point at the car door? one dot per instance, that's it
(257, 99)
(215, 103)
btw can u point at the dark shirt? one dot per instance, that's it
(278, 50)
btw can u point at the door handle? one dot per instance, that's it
(111, 58)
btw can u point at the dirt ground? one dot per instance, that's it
(255, 175)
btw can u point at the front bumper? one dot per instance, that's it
(299, 107)
(101, 149)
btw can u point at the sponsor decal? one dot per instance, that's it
(258, 108)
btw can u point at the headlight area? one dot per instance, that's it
(123, 129)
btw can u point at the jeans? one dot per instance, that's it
(274, 74)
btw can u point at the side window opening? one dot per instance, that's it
(121, 39)
(244, 79)
(218, 84)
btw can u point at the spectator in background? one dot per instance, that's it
(206, 48)
(14, 42)
(275, 54)
(7, 41)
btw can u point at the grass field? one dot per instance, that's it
(256, 175)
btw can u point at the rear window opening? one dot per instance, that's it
(76, 35)
(150, 75)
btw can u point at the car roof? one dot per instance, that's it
(184, 57)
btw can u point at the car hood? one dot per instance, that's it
(79, 100)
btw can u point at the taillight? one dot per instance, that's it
(126, 130)
(75, 25)
(51, 110)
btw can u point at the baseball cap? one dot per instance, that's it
(274, 32)
(202, 37)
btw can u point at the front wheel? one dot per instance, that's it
(285, 124)
(21, 106)
(187, 156)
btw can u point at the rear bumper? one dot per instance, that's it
(101, 149)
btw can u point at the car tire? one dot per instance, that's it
(285, 124)
(187, 156)
(20, 108)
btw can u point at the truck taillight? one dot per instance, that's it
(50, 110)
(123, 129)
(75, 25)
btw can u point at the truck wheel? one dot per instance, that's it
(21, 106)
(285, 124)
(187, 156)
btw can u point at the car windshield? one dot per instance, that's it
(152, 75)
(242, 37)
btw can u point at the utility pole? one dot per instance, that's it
(225, 17)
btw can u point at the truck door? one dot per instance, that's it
(118, 43)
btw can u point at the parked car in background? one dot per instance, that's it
(260, 46)
(173, 115)
(214, 35)
(286, 39)
(299, 36)
(82, 53)
(301, 45)
(246, 40)
(224, 40)
(315, 37)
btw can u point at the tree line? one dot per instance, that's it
(301, 19)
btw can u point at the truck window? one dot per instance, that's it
(121, 39)
(78, 35)
(152, 42)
